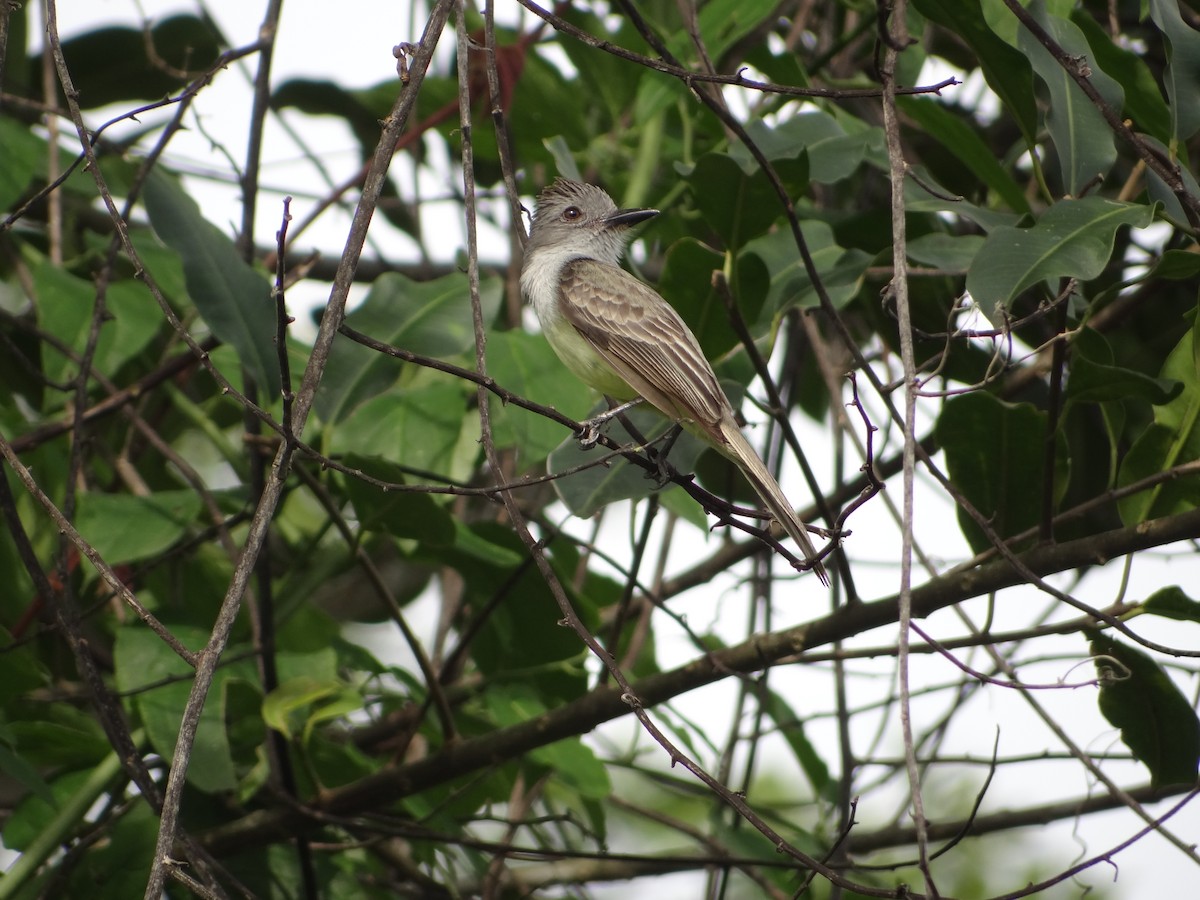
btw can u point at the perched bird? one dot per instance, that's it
(620, 337)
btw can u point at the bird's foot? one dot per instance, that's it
(589, 433)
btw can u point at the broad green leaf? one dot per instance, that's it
(1093, 379)
(1144, 103)
(1072, 239)
(119, 865)
(524, 364)
(65, 305)
(523, 641)
(403, 514)
(1007, 72)
(687, 284)
(34, 813)
(300, 703)
(1158, 190)
(431, 318)
(956, 134)
(24, 158)
(736, 202)
(840, 270)
(1176, 265)
(574, 763)
(471, 542)
(113, 65)
(125, 527)
(61, 736)
(1183, 67)
(570, 759)
(427, 427)
(609, 81)
(21, 670)
(792, 728)
(1001, 476)
(1001, 20)
(917, 199)
(589, 490)
(21, 771)
(1171, 439)
(1173, 603)
(233, 298)
(1084, 143)
(830, 153)
(159, 682)
(952, 252)
(326, 98)
(723, 23)
(1156, 720)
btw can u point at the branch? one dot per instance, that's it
(606, 703)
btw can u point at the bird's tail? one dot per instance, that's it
(738, 448)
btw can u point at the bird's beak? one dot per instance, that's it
(627, 217)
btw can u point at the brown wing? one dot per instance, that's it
(642, 337)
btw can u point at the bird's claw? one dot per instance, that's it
(589, 435)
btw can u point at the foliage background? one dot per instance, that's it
(151, 483)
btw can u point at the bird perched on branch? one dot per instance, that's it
(620, 337)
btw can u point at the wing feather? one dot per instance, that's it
(644, 339)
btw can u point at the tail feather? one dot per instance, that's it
(769, 491)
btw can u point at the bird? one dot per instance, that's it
(618, 336)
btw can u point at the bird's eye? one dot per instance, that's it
(571, 213)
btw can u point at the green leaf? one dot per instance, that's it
(1001, 476)
(840, 270)
(1007, 72)
(160, 683)
(1182, 76)
(738, 203)
(232, 297)
(432, 318)
(524, 364)
(687, 284)
(830, 154)
(20, 770)
(1156, 720)
(1173, 603)
(1094, 380)
(65, 306)
(791, 726)
(326, 98)
(307, 702)
(1171, 439)
(588, 491)
(427, 428)
(125, 527)
(470, 542)
(1072, 239)
(958, 135)
(24, 158)
(952, 252)
(1144, 103)
(523, 643)
(1176, 265)
(20, 672)
(402, 514)
(1158, 190)
(569, 759)
(62, 737)
(725, 22)
(112, 65)
(1084, 142)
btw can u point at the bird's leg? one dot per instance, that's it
(659, 455)
(590, 433)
